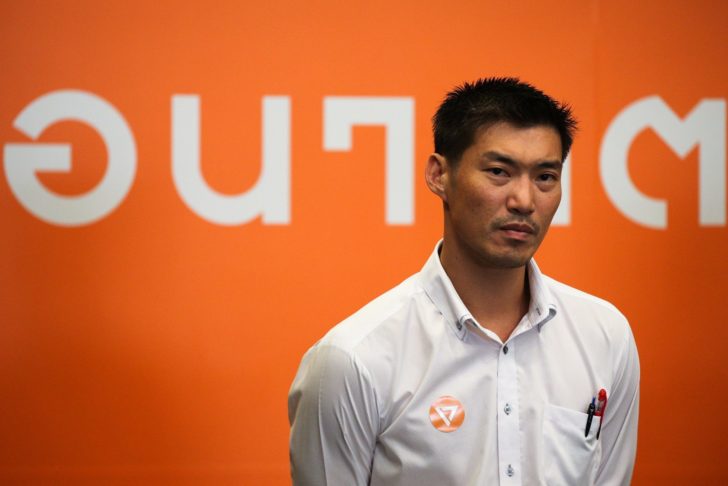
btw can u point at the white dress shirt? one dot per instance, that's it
(411, 390)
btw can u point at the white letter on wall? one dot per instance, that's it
(269, 197)
(23, 160)
(705, 126)
(397, 115)
(563, 214)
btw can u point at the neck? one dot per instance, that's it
(497, 297)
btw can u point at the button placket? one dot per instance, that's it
(509, 439)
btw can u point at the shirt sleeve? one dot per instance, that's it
(334, 421)
(619, 431)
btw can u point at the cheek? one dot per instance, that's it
(477, 194)
(476, 211)
(544, 216)
(484, 203)
(474, 203)
(549, 204)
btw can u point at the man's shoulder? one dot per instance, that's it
(377, 314)
(581, 306)
(572, 295)
(356, 350)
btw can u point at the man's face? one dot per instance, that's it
(501, 196)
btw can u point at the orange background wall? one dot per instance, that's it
(155, 347)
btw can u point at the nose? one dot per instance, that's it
(521, 197)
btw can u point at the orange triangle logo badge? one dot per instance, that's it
(447, 414)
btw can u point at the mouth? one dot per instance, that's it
(518, 231)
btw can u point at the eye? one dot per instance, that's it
(548, 177)
(496, 171)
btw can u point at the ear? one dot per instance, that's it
(437, 174)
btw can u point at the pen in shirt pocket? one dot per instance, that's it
(590, 416)
(601, 408)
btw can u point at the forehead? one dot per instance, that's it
(534, 143)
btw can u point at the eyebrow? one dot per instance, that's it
(503, 158)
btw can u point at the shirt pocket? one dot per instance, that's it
(569, 457)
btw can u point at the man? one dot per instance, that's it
(478, 370)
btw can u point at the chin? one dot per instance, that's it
(497, 254)
(506, 261)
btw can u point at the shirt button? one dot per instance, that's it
(507, 409)
(505, 349)
(460, 326)
(510, 472)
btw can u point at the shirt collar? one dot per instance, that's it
(440, 290)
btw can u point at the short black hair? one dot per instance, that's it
(487, 101)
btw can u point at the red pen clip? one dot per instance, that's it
(601, 407)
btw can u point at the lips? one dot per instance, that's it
(518, 227)
(518, 232)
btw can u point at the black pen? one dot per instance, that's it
(589, 416)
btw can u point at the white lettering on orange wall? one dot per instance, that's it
(24, 160)
(270, 197)
(704, 126)
(397, 115)
(563, 214)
